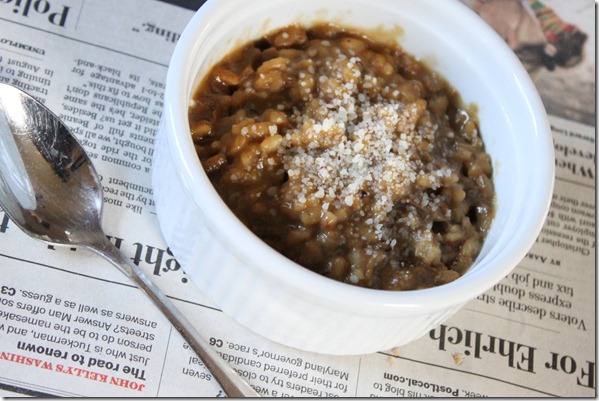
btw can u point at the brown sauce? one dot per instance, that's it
(349, 157)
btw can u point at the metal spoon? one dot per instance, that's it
(50, 189)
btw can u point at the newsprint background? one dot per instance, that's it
(70, 325)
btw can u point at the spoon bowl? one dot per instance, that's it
(48, 186)
(50, 189)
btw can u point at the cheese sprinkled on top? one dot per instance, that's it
(359, 144)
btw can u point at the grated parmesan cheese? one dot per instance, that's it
(375, 154)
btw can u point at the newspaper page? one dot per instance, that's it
(72, 325)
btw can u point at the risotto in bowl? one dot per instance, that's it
(341, 176)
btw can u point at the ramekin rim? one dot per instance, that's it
(453, 293)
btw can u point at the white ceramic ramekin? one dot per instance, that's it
(287, 303)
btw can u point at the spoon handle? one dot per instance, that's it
(230, 381)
